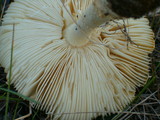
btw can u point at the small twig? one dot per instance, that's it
(158, 34)
(139, 104)
(126, 112)
(128, 38)
(139, 116)
(155, 112)
(2, 107)
(26, 116)
(152, 103)
(154, 96)
(104, 26)
(144, 117)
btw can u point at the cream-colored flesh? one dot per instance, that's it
(96, 14)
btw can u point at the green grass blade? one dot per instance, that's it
(20, 95)
(33, 118)
(15, 112)
(10, 74)
(10, 98)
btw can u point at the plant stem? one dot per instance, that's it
(96, 14)
(10, 74)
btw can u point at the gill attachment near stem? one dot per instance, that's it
(96, 14)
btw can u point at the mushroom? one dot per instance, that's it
(66, 60)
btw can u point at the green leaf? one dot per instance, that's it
(20, 95)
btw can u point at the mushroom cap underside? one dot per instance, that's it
(99, 77)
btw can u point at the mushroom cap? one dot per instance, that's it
(101, 76)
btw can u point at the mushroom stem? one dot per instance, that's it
(96, 14)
